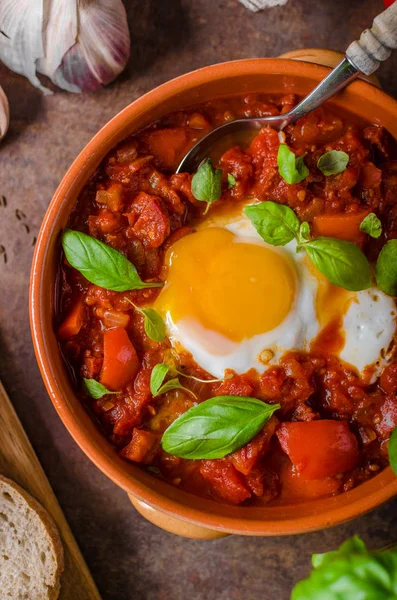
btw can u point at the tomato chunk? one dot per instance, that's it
(226, 482)
(168, 145)
(319, 449)
(74, 321)
(245, 459)
(297, 489)
(142, 447)
(120, 360)
(345, 226)
(149, 220)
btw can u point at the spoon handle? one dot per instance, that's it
(375, 44)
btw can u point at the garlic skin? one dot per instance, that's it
(79, 44)
(4, 114)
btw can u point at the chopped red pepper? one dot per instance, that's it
(120, 360)
(319, 449)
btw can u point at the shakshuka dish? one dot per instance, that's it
(233, 330)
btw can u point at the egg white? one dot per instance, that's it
(369, 324)
(215, 353)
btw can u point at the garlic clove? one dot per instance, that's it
(101, 50)
(4, 114)
(79, 44)
(59, 32)
(20, 37)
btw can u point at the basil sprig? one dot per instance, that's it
(277, 224)
(392, 450)
(231, 181)
(216, 427)
(207, 183)
(371, 225)
(333, 162)
(152, 322)
(291, 168)
(386, 268)
(101, 264)
(95, 389)
(351, 572)
(343, 263)
(157, 385)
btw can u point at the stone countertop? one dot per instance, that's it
(130, 558)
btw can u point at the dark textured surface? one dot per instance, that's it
(130, 558)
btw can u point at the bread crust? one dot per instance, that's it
(16, 490)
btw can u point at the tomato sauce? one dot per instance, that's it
(332, 430)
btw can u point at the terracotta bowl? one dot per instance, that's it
(167, 506)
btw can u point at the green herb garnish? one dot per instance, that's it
(100, 264)
(157, 385)
(231, 181)
(291, 168)
(333, 162)
(392, 450)
(207, 183)
(343, 263)
(386, 268)
(351, 572)
(216, 427)
(95, 389)
(371, 225)
(153, 322)
(277, 224)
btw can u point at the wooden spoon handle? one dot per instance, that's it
(375, 44)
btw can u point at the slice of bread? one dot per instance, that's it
(31, 553)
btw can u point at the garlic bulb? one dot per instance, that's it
(79, 44)
(4, 114)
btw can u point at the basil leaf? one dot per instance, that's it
(371, 225)
(341, 262)
(173, 384)
(291, 168)
(333, 162)
(157, 377)
(100, 264)
(207, 183)
(277, 224)
(216, 427)
(154, 324)
(351, 572)
(386, 268)
(95, 389)
(393, 450)
(303, 233)
(231, 181)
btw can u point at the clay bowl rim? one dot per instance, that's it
(283, 520)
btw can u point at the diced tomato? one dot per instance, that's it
(225, 481)
(120, 360)
(345, 226)
(246, 458)
(319, 449)
(74, 321)
(167, 145)
(294, 487)
(142, 447)
(149, 220)
(112, 197)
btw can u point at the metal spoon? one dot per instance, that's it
(363, 56)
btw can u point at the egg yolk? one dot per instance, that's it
(232, 287)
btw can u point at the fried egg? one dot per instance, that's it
(235, 302)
